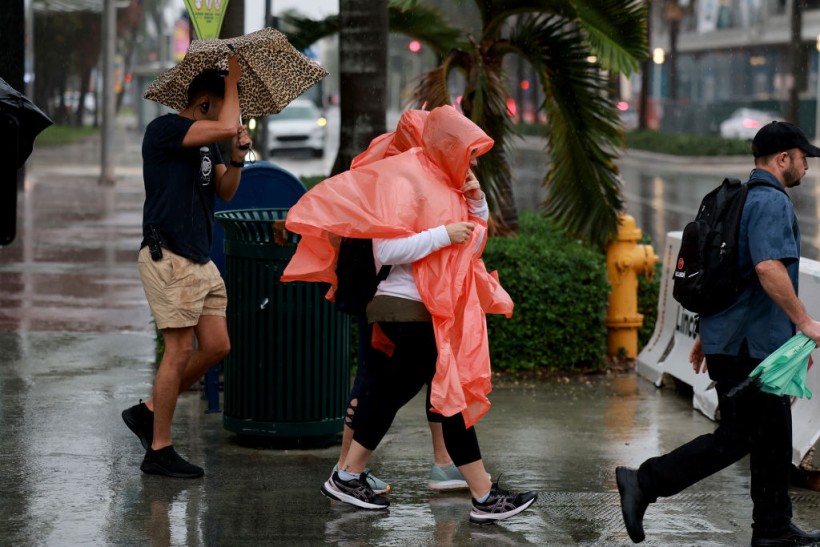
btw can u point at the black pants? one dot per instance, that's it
(751, 422)
(393, 381)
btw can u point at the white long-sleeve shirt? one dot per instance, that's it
(401, 252)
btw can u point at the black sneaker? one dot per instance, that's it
(355, 492)
(500, 504)
(140, 420)
(791, 535)
(166, 461)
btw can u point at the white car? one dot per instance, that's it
(300, 125)
(744, 123)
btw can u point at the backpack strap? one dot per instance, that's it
(763, 182)
(384, 271)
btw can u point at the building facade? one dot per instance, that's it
(732, 54)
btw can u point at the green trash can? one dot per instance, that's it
(287, 376)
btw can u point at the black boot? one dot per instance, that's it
(633, 502)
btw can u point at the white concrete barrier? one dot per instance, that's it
(667, 352)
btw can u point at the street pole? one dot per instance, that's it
(817, 94)
(109, 22)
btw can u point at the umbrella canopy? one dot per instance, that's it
(784, 371)
(28, 119)
(273, 72)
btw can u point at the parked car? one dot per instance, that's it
(300, 125)
(744, 123)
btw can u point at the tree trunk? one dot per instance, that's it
(233, 23)
(362, 76)
(12, 29)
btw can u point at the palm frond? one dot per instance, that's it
(486, 106)
(616, 31)
(303, 32)
(583, 186)
(403, 5)
(431, 90)
(428, 25)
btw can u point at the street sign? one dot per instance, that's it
(206, 17)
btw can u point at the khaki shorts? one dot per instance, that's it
(180, 291)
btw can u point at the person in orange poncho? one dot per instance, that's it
(444, 475)
(426, 214)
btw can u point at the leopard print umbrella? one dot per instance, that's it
(273, 72)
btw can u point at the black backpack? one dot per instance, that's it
(356, 275)
(706, 279)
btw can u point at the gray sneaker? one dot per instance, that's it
(448, 478)
(355, 492)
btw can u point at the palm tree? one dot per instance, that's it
(559, 39)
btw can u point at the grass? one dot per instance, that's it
(63, 134)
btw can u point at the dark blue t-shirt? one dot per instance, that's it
(179, 188)
(768, 231)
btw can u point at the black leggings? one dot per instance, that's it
(393, 381)
(364, 377)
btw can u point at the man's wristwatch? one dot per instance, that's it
(239, 164)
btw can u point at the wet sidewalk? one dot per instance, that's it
(77, 342)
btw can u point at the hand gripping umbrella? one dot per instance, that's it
(273, 72)
(784, 371)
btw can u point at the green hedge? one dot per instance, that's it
(560, 290)
(687, 145)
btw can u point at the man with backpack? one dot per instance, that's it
(733, 341)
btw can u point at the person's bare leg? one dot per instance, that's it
(440, 454)
(178, 350)
(213, 345)
(357, 458)
(476, 477)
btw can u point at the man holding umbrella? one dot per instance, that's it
(183, 171)
(733, 342)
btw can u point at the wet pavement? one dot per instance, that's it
(77, 344)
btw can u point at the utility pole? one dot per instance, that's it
(109, 25)
(262, 147)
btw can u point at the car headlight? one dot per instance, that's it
(322, 121)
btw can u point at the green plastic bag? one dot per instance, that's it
(784, 371)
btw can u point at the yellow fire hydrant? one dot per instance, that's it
(625, 260)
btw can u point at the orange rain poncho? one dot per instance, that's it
(399, 196)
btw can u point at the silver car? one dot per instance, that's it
(300, 125)
(744, 123)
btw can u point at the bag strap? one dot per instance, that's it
(763, 182)
(384, 271)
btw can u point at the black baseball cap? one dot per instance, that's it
(777, 137)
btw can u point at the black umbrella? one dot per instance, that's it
(20, 115)
(20, 123)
